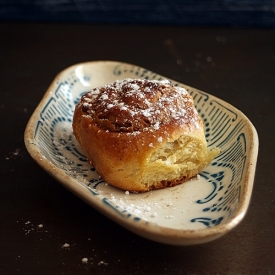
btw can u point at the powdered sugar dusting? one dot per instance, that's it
(136, 105)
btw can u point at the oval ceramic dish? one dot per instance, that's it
(198, 211)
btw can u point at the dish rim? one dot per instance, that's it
(147, 229)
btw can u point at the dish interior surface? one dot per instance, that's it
(216, 198)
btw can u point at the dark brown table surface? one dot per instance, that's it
(38, 216)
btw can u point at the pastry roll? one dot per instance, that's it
(142, 134)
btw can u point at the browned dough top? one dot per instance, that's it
(136, 105)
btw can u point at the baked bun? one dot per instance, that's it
(142, 134)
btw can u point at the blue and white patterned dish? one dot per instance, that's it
(197, 211)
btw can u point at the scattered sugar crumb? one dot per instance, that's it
(84, 260)
(154, 215)
(40, 225)
(65, 245)
(16, 152)
(127, 192)
(147, 208)
(198, 176)
(102, 263)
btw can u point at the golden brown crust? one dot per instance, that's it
(134, 105)
(123, 125)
